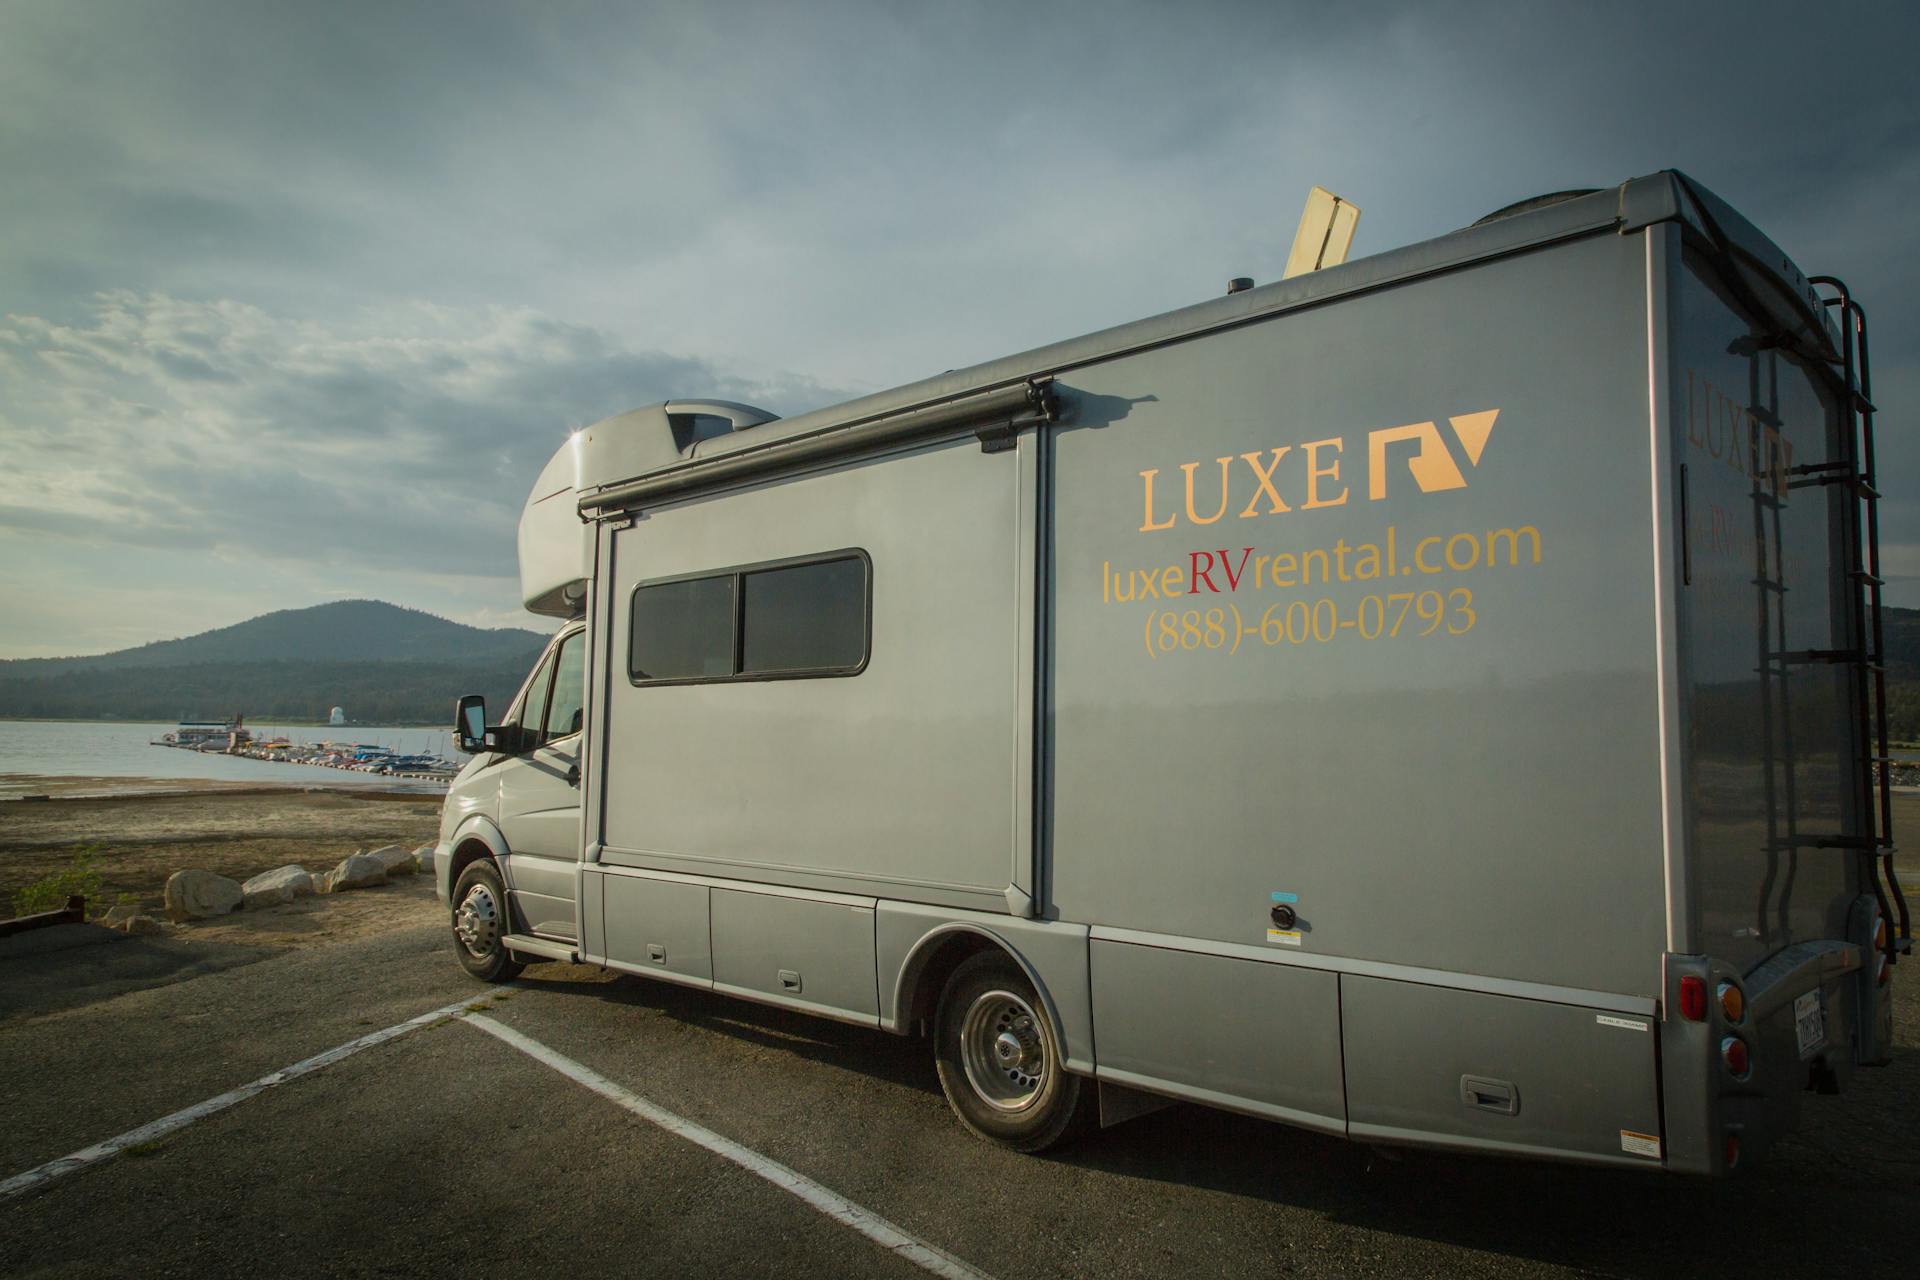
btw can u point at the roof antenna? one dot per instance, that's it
(1325, 234)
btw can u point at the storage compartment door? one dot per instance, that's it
(1242, 1034)
(658, 926)
(1499, 1072)
(815, 953)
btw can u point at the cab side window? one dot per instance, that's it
(533, 707)
(565, 704)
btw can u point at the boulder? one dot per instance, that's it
(356, 871)
(397, 859)
(137, 925)
(271, 888)
(199, 895)
(423, 858)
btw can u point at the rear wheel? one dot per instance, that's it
(480, 924)
(1000, 1059)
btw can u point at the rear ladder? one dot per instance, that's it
(1855, 469)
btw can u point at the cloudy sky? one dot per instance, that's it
(295, 299)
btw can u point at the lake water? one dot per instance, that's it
(108, 749)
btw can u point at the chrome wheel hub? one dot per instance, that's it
(477, 922)
(1004, 1051)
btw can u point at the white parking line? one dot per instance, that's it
(33, 1179)
(832, 1203)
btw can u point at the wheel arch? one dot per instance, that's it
(475, 838)
(941, 950)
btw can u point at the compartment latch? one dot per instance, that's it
(1480, 1093)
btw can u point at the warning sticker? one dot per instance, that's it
(1284, 937)
(1631, 1024)
(1639, 1144)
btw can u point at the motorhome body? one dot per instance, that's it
(1338, 702)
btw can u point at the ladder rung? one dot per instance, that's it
(1834, 656)
(1862, 576)
(1856, 843)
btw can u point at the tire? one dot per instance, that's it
(1000, 1060)
(480, 924)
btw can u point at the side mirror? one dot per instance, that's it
(470, 723)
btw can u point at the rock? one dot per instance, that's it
(397, 859)
(199, 895)
(357, 871)
(137, 925)
(271, 888)
(423, 858)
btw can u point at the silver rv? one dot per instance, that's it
(1431, 700)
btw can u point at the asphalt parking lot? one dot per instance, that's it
(447, 1150)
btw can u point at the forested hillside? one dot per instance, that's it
(382, 663)
(344, 630)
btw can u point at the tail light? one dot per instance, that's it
(1733, 1002)
(1733, 1150)
(1733, 1052)
(1880, 950)
(1693, 998)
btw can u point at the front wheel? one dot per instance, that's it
(480, 924)
(1000, 1058)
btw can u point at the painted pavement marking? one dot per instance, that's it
(34, 1179)
(829, 1202)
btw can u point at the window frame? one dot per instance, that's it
(738, 573)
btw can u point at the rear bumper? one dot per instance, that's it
(1717, 1122)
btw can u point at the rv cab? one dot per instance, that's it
(520, 794)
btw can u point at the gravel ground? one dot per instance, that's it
(143, 839)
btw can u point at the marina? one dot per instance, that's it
(234, 738)
(108, 757)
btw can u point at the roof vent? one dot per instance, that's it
(1537, 202)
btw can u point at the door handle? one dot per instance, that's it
(573, 774)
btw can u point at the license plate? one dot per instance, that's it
(1809, 1023)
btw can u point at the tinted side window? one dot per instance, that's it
(682, 630)
(780, 619)
(564, 706)
(806, 617)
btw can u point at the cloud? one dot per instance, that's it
(316, 288)
(407, 437)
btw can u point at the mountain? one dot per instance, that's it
(346, 630)
(382, 663)
(1900, 628)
